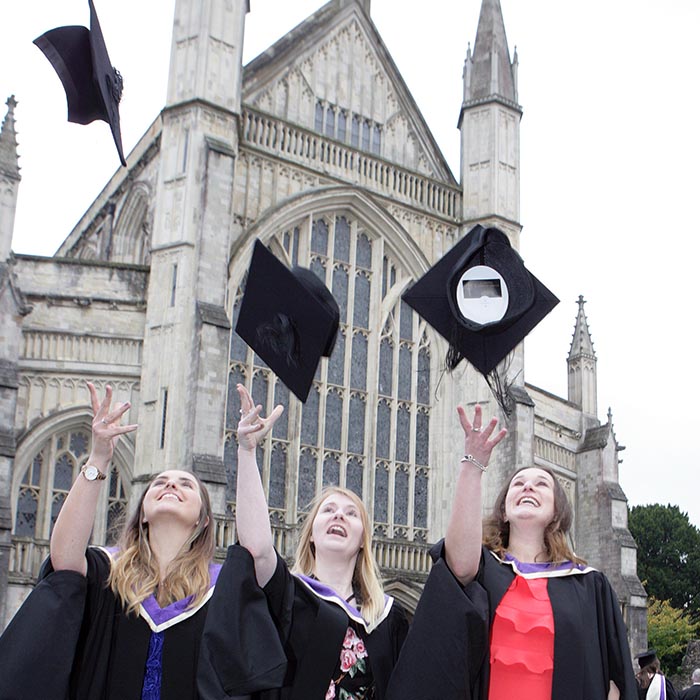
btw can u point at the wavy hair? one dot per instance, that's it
(366, 579)
(497, 529)
(135, 574)
(646, 674)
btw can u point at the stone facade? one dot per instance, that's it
(691, 661)
(318, 149)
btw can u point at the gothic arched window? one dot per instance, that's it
(47, 480)
(365, 423)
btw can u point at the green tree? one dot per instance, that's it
(669, 630)
(668, 555)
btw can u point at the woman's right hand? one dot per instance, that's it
(252, 427)
(71, 533)
(464, 529)
(477, 438)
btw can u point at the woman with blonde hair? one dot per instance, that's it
(324, 630)
(130, 617)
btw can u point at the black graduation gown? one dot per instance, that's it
(72, 640)
(671, 693)
(446, 654)
(282, 641)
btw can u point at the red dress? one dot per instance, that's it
(522, 643)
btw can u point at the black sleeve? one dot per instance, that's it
(38, 647)
(241, 650)
(671, 693)
(447, 642)
(400, 628)
(615, 635)
(279, 592)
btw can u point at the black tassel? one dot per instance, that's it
(281, 338)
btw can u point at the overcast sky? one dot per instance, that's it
(610, 149)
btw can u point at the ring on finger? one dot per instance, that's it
(104, 421)
(476, 430)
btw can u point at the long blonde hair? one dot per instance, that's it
(497, 529)
(366, 579)
(135, 574)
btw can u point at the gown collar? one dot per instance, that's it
(543, 569)
(159, 619)
(321, 590)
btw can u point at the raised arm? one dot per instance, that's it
(252, 515)
(71, 533)
(464, 530)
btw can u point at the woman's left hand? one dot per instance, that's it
(106, 425)
(477, 438)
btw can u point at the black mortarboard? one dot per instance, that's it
(289, 318)
(646, 657)
(481, 299)
(93, 87)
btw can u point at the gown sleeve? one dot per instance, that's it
(35, 664)
(241, 650)
(671, 693)
(615, 635)
(447, 642)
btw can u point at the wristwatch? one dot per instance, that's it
(92, 473)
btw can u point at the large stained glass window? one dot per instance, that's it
(366, 422)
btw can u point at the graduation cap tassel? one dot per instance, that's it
(457, 340)
(281, 338)
(500, 388)
(453, 358)
(116, 85)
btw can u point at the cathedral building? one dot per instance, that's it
(318, 149)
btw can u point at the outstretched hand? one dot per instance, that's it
(252, 427)
(106, 424)
(477, 438)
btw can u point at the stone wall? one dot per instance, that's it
(691, 661)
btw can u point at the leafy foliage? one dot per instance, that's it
(668, 555)
(669, 631)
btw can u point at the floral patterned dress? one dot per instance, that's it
(352, 679)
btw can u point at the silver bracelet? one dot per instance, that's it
(476, 462)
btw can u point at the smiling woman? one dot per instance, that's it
(508, 609)
(532, 495)
(127, 616)
(325, 629)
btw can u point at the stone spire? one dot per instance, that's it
(9, 179)
(489, 122)
(490, 73)
(582, 365)
(9, 160)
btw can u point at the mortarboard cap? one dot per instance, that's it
(289, 318)
(93, 87)
(646, 657)
(481, 299)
